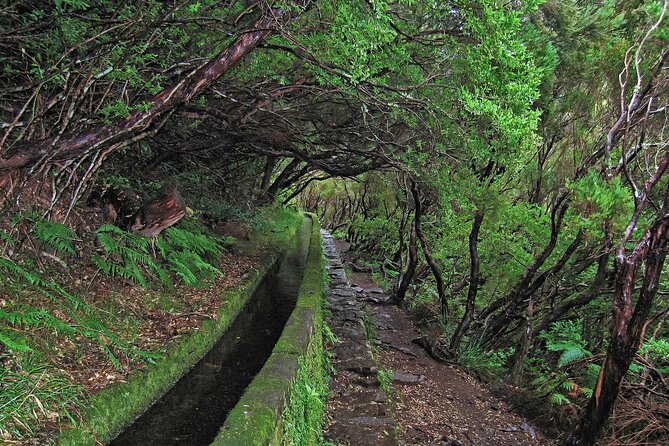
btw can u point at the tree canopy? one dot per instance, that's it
(503, 162)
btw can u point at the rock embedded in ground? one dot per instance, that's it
(408, 378)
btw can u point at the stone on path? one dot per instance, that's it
(358, 411)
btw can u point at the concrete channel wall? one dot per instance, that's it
(274, 409)
(108, 412)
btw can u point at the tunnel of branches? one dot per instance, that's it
(502, 165)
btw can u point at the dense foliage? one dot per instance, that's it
(501, 164)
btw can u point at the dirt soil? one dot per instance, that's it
(434, 403)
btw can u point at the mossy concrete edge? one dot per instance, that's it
(258, 418)
(111, 410)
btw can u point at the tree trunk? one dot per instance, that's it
(408, 275)
(474, 279)
(513, 310)
(283, 178)
(126, 130)
(594, 290)
(515, 371)
(628, 326)
(159, 214)
(516, 295)
(270, 162)
(436, 272)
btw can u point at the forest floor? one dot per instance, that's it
(433, 403)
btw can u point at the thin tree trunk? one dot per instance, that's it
(628, 327)
(496, 326)
(408, 275)
(593, 291)
(474, 279)
(270, 162)
(515, 371)
(436, 272)
(282, 179)
(525, 281)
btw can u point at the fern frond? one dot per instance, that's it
(7, 238)
(13, 344)
(572, 354)
(22, 216)
(163, 276)
(55, 235)
(559, 399)
(114, 360)
(107, 228)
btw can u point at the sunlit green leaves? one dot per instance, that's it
(565, 338)
(597, 199)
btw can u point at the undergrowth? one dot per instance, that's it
(37, 307)
(190, 255)
(33, 395)
(490, 366)
(305, 412)
(46, 311)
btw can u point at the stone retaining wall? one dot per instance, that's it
(282, 404)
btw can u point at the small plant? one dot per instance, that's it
(329, 337)
(560, 381)
(565, 338)
(127, 255)
(304, 417)
(488, 365)
(56, 235)
(369, 322)
(385, 377)
(32, 395)
(188, 254)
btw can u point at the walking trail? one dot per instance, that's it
(426, 403)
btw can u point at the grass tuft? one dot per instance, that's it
(34, 394)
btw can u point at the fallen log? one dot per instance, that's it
(159, 214)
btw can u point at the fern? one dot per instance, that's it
(488, 365)
(192, 241)
(189, 255)
(125, 255)
(26, 316)
(572, 354)
(56, 235)
(559, 399)
(564, 337)
(17, 277)
(12, 344)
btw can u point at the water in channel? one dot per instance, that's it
(192, 412)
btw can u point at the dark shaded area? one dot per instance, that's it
(192, 412)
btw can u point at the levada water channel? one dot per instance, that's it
(192, 412)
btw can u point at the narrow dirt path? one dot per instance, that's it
(431, 403)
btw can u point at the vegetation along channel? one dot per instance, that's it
(488, 186)
(192, 412)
